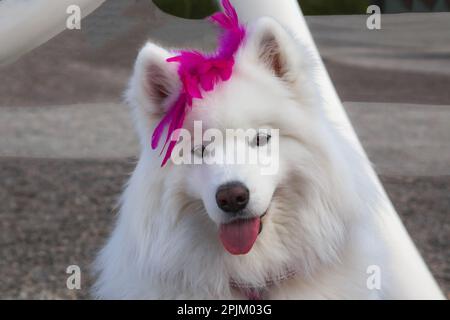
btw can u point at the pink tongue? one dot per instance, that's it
(238, 237)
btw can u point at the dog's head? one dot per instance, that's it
(299, 201)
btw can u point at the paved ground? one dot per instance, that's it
(80, 131)
(413, 42)
(67, 145)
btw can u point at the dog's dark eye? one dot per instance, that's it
(261, 139)
(199, 151)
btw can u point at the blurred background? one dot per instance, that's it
(67, 144)
(195, 9)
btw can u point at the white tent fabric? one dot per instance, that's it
(26, 24)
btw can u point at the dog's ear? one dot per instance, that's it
(153, 86)
(155, 82)
(275, 48)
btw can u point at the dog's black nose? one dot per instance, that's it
(232, 197)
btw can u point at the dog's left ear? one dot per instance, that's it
(275, 48)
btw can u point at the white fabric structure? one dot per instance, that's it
(25, 25)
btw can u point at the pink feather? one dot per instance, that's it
(199, 72)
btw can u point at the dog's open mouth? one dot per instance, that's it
(239, 236)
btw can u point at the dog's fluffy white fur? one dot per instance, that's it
(321, 211)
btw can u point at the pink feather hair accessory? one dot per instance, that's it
(197, 72)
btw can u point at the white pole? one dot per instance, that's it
(25, 25)
(411, 276)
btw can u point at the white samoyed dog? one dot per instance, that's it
(204, 231)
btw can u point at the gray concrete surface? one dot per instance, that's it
(404, 139)
(406, 42)
(73, 131)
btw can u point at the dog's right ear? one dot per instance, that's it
(153, 87)
(155, 82)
